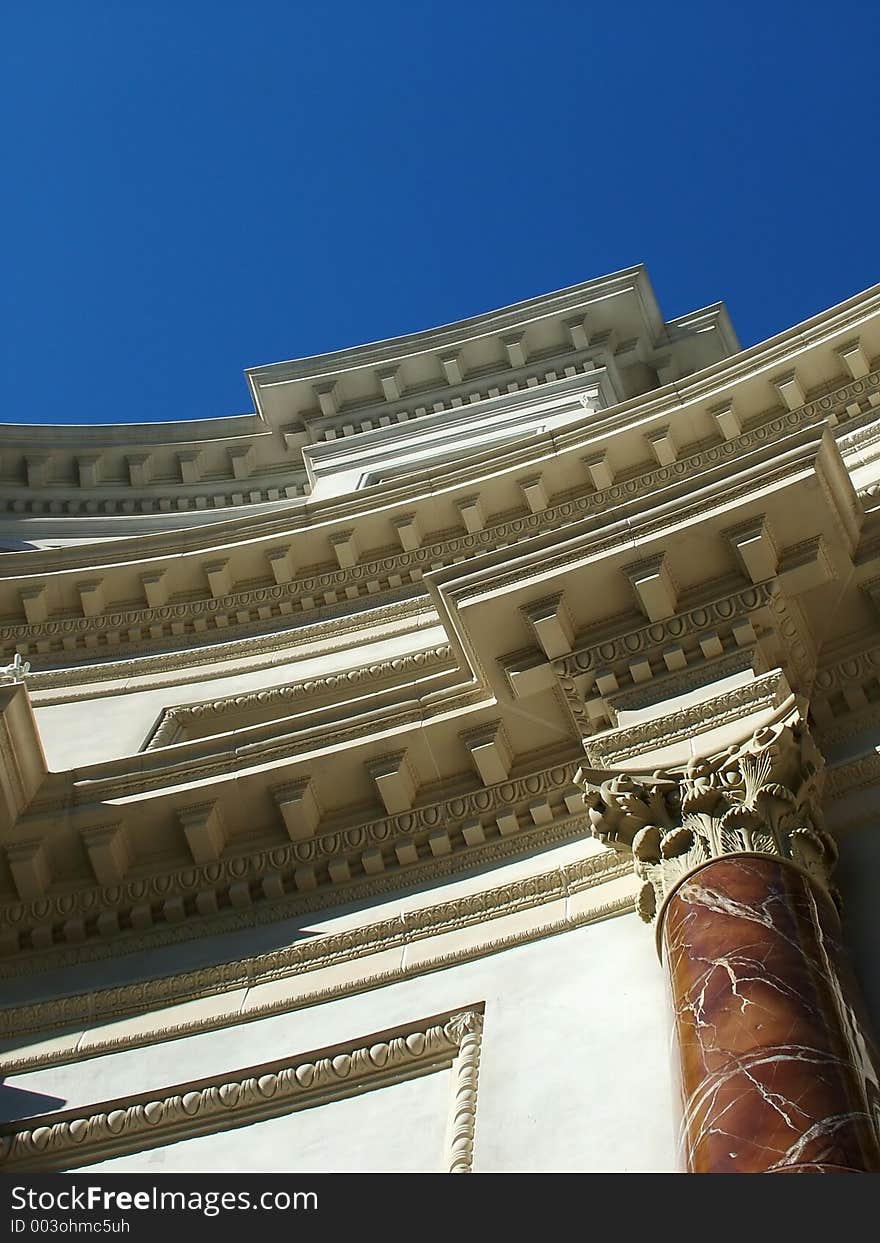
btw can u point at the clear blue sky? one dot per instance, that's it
(194, 188)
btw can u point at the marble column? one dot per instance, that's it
(774, 1066)
(776, 1069)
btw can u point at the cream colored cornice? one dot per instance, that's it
(517, 315)
(278, 742)
(705, 386)
(620, 499)
(181, 431)
(777, 351)
(189, 665)
(267, 882)
(765, 694)
(685, 501)
(172, 724)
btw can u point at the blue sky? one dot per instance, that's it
(194, 188)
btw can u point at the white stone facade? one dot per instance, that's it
(295, 866)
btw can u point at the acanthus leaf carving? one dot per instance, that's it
(761, 797)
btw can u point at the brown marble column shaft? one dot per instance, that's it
(776, 1069)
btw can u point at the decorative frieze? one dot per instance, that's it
(617, 649)
(173, 724)
(853, 402)
(615, 746)
(186, 664)
(304, 861)
(846, 695)
(71, 1138)
(857, 774)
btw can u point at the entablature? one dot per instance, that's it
(392, 511)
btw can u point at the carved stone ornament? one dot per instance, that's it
(88, 1133)
(17, 671)
(760, 797)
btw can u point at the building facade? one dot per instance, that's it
(393, 776)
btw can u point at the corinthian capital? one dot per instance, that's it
(760, 797)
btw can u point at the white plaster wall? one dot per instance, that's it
(574, 1076)
(109, 727)
(396, 1129)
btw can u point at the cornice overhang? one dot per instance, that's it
(535, 565)
(508, 421)
(627, 280)
(172, 900)
(715, 316)
(783, 470)
(632, 527)
(708, 385)
(775, 431)
(183, 432)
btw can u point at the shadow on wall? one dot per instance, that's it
(16, 1103)
(856, 877)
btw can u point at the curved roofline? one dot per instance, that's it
(148, 432)
(498, 320)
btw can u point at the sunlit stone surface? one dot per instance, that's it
(776, 1070)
